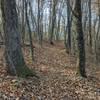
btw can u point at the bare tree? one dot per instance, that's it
(80, 37)
(13, 53)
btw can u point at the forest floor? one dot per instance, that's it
(57, 77)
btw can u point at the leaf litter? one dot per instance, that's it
(57, 78)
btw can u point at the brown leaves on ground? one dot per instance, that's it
(58, 79)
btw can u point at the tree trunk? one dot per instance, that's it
(53, 20)
(29, 30)
(13, 53)
(68, 26)
(80, 37)
(90, 36)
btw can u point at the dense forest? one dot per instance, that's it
(49, 49)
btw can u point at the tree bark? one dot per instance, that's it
(13, 53)
(90, 35)
(29, 30)
(80, 37)
(68, 26)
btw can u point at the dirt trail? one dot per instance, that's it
(58, 79)
(60, 70)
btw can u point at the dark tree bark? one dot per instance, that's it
(80, 37)
(53, 20)
(13, 53)
(68, 26)
(23, 23)
(1, 37)
(90, 36)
